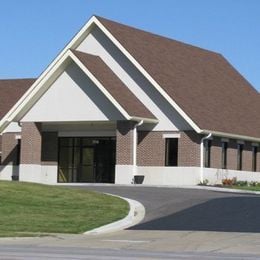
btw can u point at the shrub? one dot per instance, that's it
(204, 183)
(242, 183)
(229, 182)
(254, 184)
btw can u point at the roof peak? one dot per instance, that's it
(106, 20)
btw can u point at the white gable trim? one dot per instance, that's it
(147, 75)
(77, 39)
(99, 85)
(28, 101)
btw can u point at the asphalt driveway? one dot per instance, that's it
(191, 209)
(179, 224)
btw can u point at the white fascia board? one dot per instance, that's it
(74, 43)
(28, 98)
(99, 85)
(231, 136)
(76, 40)
(147, 75)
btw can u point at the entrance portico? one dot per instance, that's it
(90, 152)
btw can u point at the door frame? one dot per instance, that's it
(82, 146)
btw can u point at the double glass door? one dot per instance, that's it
(83, 159)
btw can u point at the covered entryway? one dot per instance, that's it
(86, 159)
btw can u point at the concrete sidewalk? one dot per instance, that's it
(142, 244)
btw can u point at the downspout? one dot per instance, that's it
(202, 155)
(135, 147)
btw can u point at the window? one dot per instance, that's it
(239, 156)
(224, 155)
(171, 152)
(207, 153)
(254, 158)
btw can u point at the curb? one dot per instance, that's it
(194, 187)
(135, 216)
(226, 190)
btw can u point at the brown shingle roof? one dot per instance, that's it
(114, 85)
(207, 88)
(10, 91)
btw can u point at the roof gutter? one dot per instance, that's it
(232, 136)
(135, 148)
(202, 155)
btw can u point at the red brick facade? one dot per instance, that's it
(124, 142)
(150, 149)
(189, 149)
(42, 148)
(10, 148)
(31, 143)
(0, 148)
(49, 148)
(216, 155)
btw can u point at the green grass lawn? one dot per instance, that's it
(33, 209)
(251, 188)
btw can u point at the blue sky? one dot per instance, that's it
(33, 32)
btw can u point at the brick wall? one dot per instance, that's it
(232, 155)
(247, 157)
(31, 143)
(10, 151)
(124, 142)
(150, 149)
(49, 148)
(258, 159)
(189, 149)
(0, 148)
(216, 155)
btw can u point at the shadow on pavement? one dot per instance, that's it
(234, 214)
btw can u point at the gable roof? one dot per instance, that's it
(114, 85)
(206, 87)
(10, 91)
(201, 85)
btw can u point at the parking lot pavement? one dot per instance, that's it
(191, 209)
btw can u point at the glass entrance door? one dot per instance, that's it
(85, 159)
(86, 171)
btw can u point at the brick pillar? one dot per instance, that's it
(49, 148)
(10, 151)
(124, 152)
(124, 142)
(31, 144)
(0, 148)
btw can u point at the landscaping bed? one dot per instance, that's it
(33, 209)
(235, 184)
